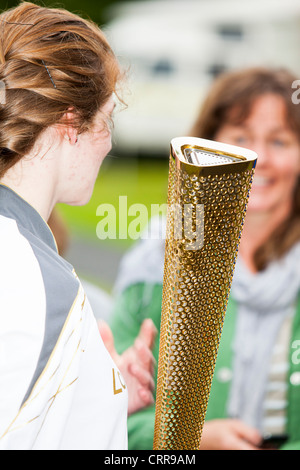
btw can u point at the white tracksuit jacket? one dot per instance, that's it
(59, 388)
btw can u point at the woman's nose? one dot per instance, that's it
(262, 152)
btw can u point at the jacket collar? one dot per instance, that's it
(15, 207)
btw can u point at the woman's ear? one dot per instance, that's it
(71, 132)
(67, 129)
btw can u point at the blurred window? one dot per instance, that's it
(163, 67)
(216, 69)
(231, 32)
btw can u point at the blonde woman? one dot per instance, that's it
(59, 387)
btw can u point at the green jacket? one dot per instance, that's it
(142, 301)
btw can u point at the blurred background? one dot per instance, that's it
(171, 50)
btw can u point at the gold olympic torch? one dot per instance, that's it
(209, 185)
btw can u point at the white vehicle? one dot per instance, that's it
(174, 49)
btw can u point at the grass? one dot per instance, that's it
(135, 181)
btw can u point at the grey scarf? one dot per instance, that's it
(264, 302)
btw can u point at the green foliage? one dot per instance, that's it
(96, 10)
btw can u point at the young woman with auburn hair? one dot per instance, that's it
(59, 387)
(255, 388)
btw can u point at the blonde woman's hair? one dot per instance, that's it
(51, 62)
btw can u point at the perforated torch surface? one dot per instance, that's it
(195, 296)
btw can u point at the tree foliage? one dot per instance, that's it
(97, 10)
